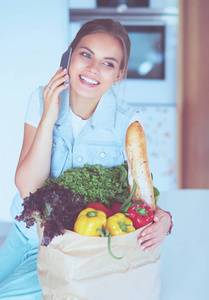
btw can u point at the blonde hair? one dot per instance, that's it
(111, 27)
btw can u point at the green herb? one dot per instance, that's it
(96, 183)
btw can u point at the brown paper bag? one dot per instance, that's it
(75, 267)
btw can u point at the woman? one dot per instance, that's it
(72, 125)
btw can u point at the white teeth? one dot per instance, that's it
(88, 80)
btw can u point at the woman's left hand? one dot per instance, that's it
(153, 235)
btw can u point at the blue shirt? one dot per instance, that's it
(101, 141)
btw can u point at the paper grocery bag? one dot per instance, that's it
(75, 267)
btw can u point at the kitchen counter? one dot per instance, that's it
(185, 265)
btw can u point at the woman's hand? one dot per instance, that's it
(153, 235)
(51, 95)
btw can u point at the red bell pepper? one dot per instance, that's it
(116, 207)
(101, 207)
(140, 214)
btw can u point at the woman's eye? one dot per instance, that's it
(85, 54)
(109, 64)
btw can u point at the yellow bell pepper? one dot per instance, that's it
(89, 220)
(119, 224)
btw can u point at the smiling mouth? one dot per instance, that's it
(89, 80)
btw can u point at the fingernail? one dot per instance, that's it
(66, 75)
(142, 247)
(140, 241)
(156, 218)
(66, 84)
(64, 69)
(146, 250)
(143, 234)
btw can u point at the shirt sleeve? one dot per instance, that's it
(32, 116)
(136, 117)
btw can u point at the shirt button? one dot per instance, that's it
(102, 154)
(79, 158)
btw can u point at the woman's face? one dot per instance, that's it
(95, 65)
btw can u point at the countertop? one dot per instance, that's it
(185, 265)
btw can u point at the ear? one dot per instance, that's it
(120, 76)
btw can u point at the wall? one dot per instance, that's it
(193, 94)
(33, 38)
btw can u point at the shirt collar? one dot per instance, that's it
(103, 116)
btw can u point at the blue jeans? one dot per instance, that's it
(18, 268)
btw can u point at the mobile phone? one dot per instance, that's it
(65, 60)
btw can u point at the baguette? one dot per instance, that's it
(138, 165)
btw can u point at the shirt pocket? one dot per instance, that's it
(58, 156)
(105, 155)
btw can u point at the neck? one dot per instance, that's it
(81, 106)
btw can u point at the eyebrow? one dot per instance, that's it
(109, 58)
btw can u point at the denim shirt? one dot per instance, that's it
(101, 141)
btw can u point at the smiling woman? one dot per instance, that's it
(73, 124)
(93, 70)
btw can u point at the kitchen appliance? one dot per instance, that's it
(129, 3)
(147, 59)
(123, 4)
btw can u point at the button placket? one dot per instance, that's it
(102, 154)
(79, 158)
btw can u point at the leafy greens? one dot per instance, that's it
(96, 183)
(58, 202)
(55, 207)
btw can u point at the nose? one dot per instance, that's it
(94, 66)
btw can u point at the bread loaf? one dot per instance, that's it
(138, 165)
